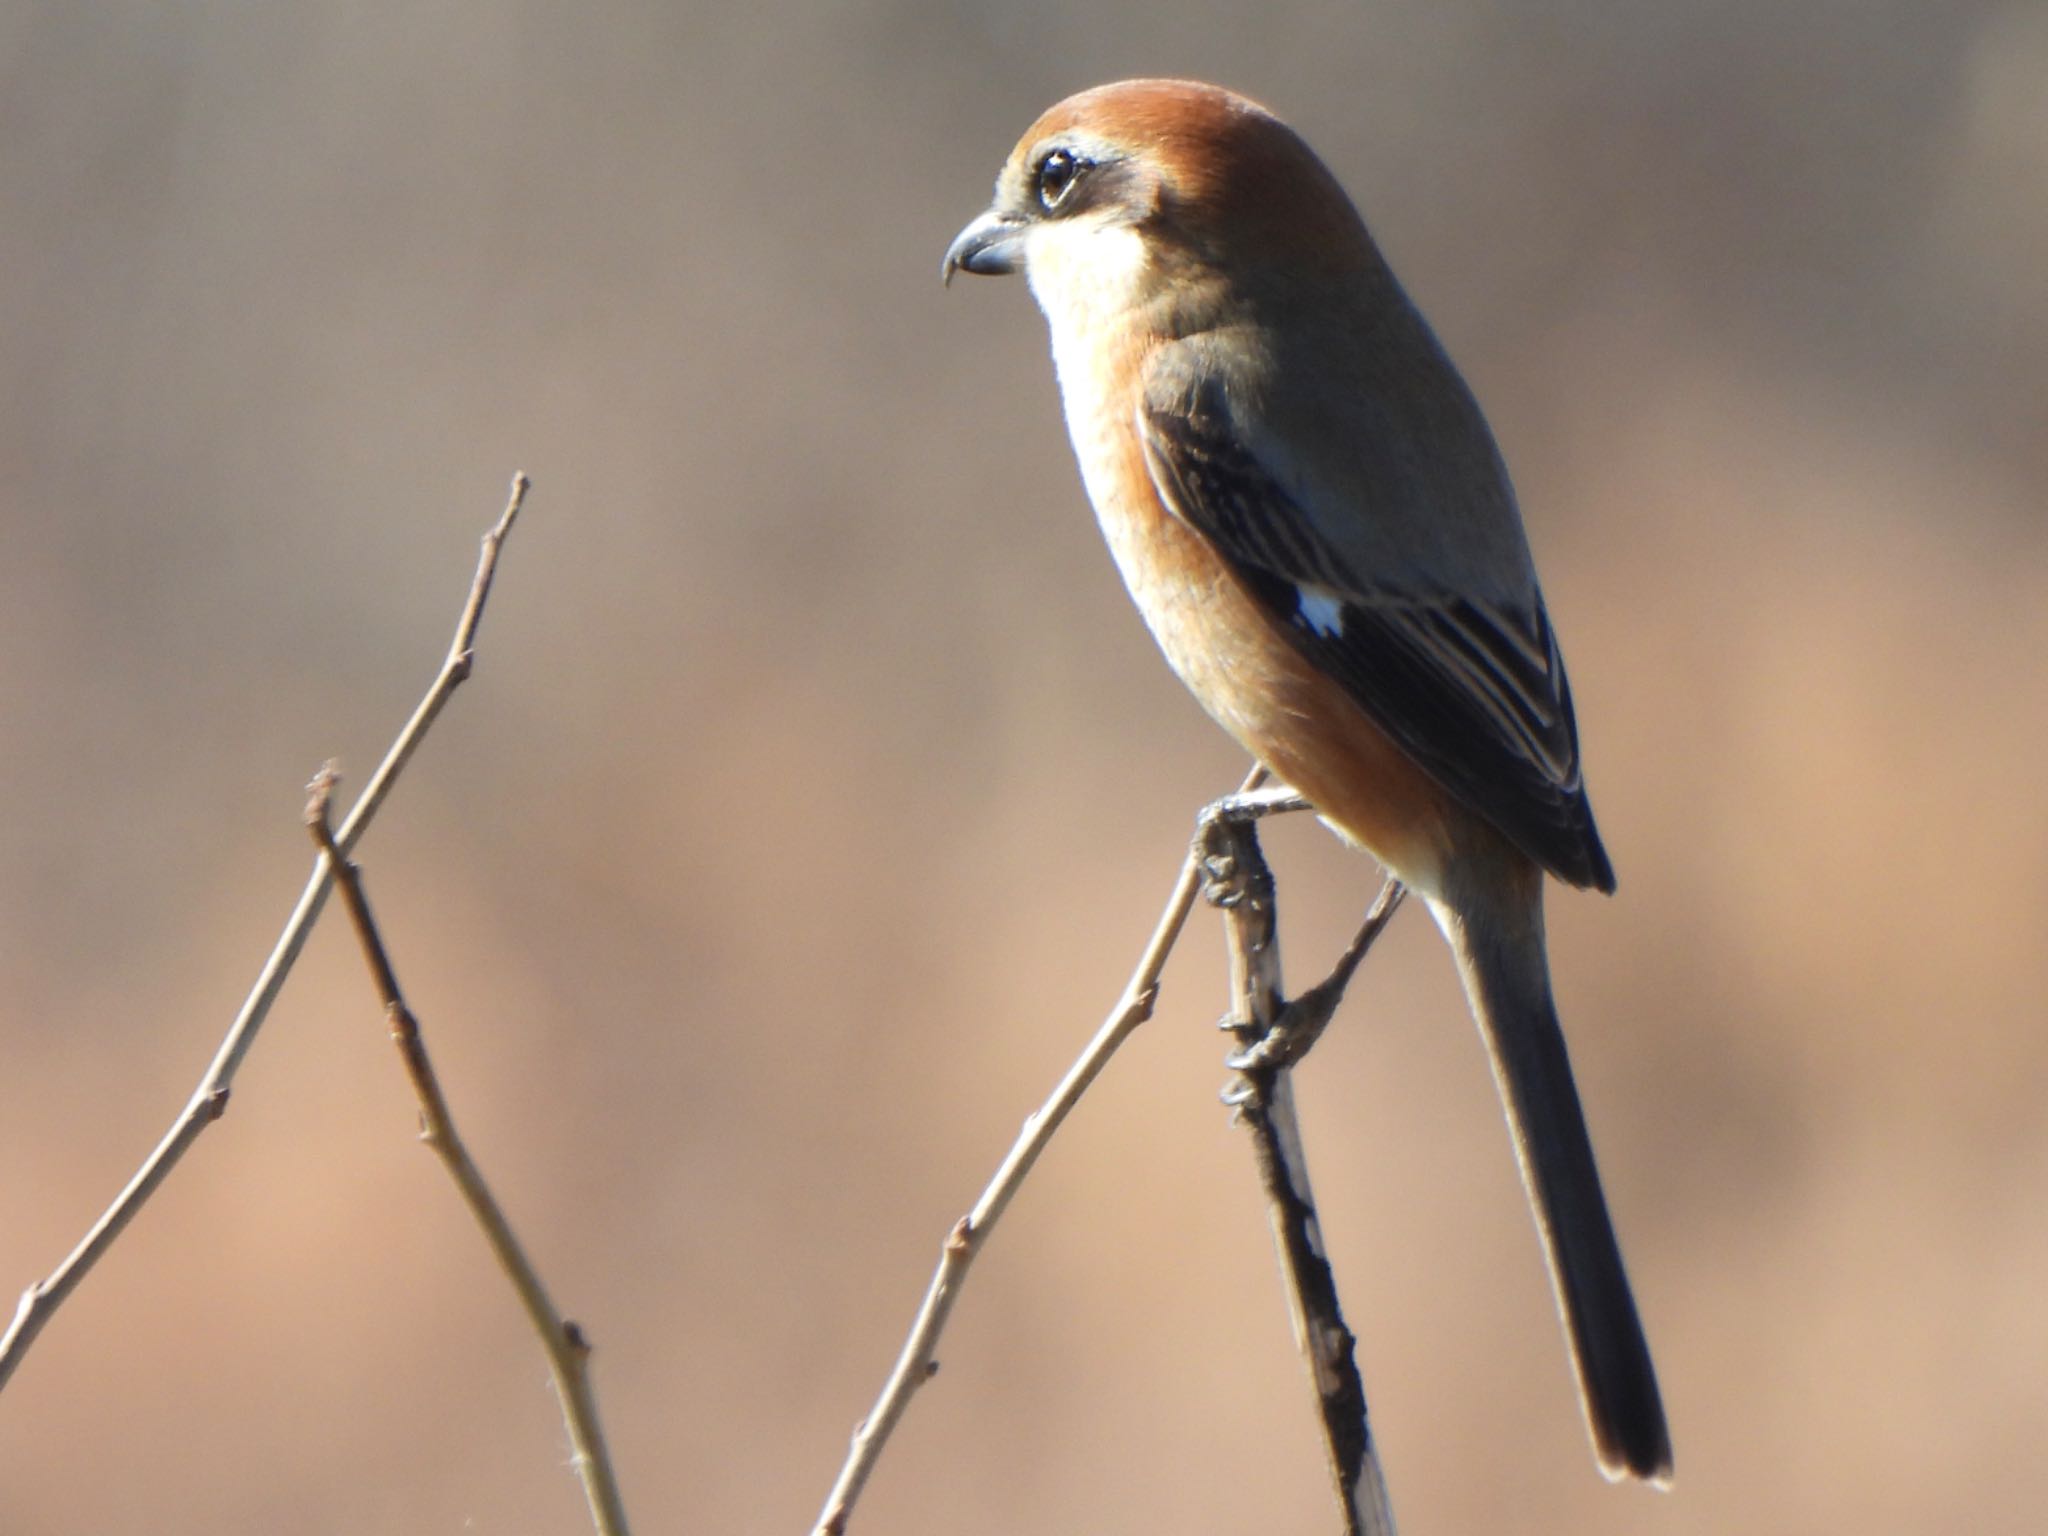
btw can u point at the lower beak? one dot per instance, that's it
(992, 246)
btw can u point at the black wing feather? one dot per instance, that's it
(1475, 693)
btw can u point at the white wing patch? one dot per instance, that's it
(1320, 608)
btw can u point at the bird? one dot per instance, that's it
(1311, 513)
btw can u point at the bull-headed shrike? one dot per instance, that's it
(1310, 512)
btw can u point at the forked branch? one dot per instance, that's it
(1225, 863)
(210, 1099)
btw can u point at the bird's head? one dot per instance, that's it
(1151, 191)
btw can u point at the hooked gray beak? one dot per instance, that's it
(992, 246)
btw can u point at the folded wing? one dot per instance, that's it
(1474, 691)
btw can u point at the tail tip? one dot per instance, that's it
(1641, 1452)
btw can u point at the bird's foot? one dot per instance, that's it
(1223, 883)
(1300, 1025)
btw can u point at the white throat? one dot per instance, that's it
(1088, 275)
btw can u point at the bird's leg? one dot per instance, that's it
(1238, 880)
(1256, 804)
(1302, 1021)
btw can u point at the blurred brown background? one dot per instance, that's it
(818, 786)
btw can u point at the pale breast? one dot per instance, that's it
(1207, 625)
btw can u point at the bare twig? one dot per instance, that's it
(914, 1365)
(1272, 1036)
(568, 1349)
(210, 1100)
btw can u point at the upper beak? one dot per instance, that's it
(992, 246)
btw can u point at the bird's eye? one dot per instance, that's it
(1057, 173)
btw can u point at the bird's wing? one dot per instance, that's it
(1472, 688)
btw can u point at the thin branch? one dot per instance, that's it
(914, 1365)
(210, 1100)
(568, 1349)
(1272, 1035)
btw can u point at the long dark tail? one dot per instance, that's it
(1497, 932)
